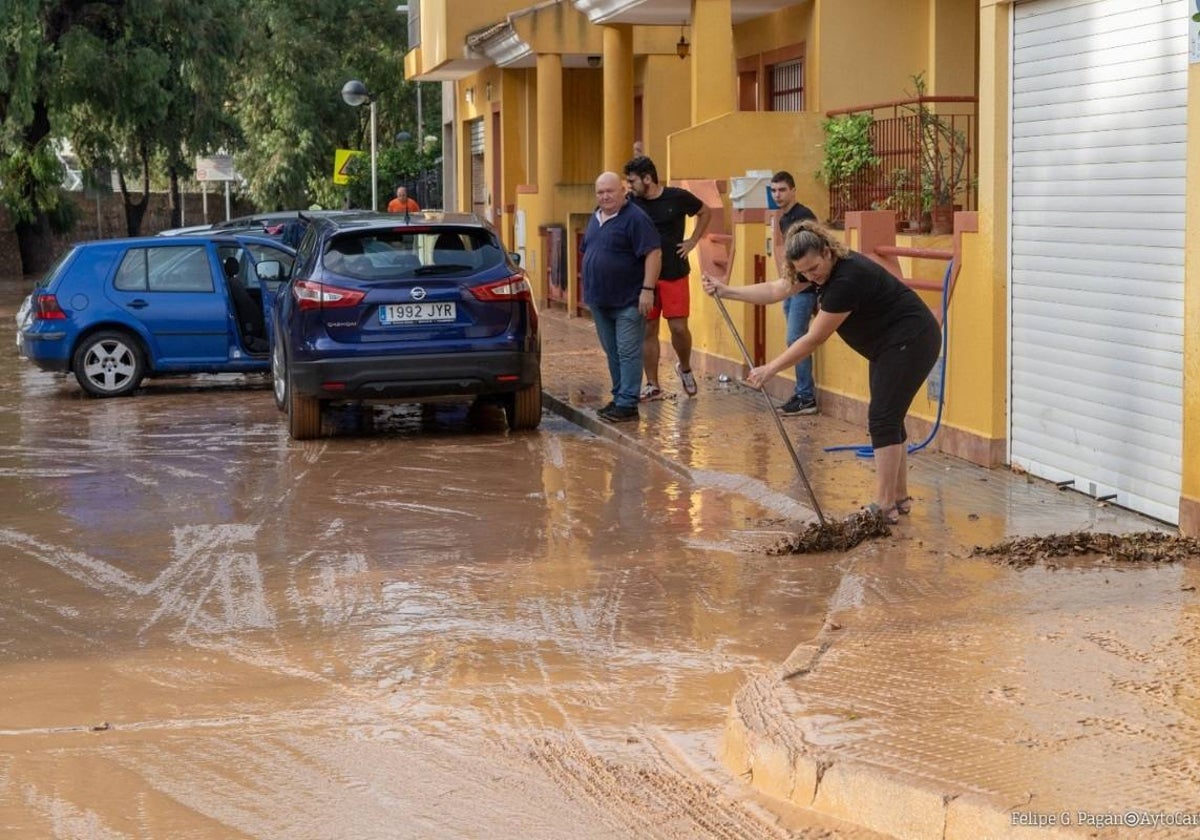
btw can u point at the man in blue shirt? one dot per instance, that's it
(622, 256)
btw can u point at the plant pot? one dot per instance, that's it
(942, 218)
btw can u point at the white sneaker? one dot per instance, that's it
(688, 379)
(650, 392)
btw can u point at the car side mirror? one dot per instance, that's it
(269, 271)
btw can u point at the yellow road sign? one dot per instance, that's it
(341, 164)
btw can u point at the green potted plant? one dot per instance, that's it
(944, 153)
(907, 198)
(849, 152)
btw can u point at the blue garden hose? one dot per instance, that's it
(866, 450)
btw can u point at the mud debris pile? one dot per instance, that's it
(1143, 547)
(834, 535)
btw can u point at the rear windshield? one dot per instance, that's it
(407, 253)
(56, 268)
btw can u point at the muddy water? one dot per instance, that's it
(435, 629)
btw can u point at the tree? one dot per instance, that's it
(288, 97)
(33, 33)
(143, 97)
(144, 85)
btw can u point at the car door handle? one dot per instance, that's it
(138, 303)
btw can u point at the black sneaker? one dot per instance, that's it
(618, 414)
(797, 406)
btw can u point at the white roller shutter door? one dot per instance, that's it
(1099, 117)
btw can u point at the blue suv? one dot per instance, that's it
(116, 311)
(407, 308)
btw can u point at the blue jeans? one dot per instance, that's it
(620, 330)
(799, 310)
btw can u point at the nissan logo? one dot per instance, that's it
(418, 293)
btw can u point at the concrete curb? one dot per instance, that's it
(891, 804)
(588, 420)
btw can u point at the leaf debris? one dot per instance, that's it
(1140, 547)
(834, 535)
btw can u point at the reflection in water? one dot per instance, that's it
(215, 595)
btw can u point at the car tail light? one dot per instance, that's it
(47, 309)
(515, 287)
(310, 294)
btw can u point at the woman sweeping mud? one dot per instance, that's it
(878, 317)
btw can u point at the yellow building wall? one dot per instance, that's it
(784, 28)
(666, 102)
(984, 278)
(583, 136)
(953, 47)
(1189, 502)
(736, 142)
(514, 116)
(866, 51)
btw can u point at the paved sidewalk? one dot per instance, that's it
(947, 697)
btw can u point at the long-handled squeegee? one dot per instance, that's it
(774, 414)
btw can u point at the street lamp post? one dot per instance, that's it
(355, 93)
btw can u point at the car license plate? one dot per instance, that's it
(417, 313)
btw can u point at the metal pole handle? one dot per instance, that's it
(771, 408)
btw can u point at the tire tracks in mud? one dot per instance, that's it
(651, 798)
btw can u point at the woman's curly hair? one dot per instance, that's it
(809, 237)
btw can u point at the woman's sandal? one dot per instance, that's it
(889, 515)
(904, 506)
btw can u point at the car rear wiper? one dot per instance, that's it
(424, 270)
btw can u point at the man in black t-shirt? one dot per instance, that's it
(798, 309)
(668, 208)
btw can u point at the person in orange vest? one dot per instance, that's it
(402, 203)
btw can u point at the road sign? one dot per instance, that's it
(215, 168)
(341, 164)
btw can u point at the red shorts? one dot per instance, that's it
(671, 299)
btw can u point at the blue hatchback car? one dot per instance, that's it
(115, 311)
(404, 309)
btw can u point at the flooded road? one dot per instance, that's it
(434, 629)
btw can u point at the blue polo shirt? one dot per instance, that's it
(614, 257)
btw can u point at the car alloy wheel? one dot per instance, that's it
(279, 386)
(109, 364)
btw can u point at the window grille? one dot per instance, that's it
(787, 86)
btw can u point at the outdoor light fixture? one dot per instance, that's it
(593, 61)
(469, 95)
(683, 47)
(354, 94)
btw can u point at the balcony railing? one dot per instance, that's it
(926, 149)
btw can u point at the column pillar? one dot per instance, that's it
(714, 84)
(618, 96)
(549, 130)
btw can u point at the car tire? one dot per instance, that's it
(303, 416)
(279, 380)
(109, 363)
(523, 409)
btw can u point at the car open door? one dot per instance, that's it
(271, 267)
